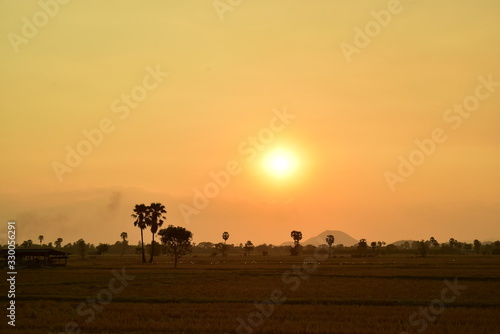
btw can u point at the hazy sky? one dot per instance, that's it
(178, 90)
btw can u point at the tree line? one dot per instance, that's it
(176, 241)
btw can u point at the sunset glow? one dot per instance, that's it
(280, 163)
(379, 119)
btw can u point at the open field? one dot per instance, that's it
(217, 295)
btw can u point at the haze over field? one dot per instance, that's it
(280, 113)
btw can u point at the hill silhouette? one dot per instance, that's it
(340, 238)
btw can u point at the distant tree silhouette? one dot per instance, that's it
(40, 238)
(124, 237)
(297, 236)
(477, 246)
(154, 220)
(362, 246)
(330, 239)
(248, 247)
(177, 241)
(58, 242)
(27, 243)
(225, 236)
(82, 247)
(206, 245)
(422, 248)
(453, 243)
(140, 213)
(434, 242)
(102, 248)
(374, 247)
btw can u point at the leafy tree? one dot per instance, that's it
(362, 245)
(453, 243)
(205, 245)
(102, 248)
(82, 247)
(140, 213)
(225, 236)
(27, 243)
(374, 246)
(248, 247)
(297, 236)
(154, 220)
(58, 242)
(434, 242)
(330, 239)
(422, 248)
(477, 246)
(177, 241)
(124, 237)
(40, 238)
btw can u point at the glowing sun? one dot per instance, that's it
(280, 163)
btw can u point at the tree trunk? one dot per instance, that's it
(142, 243)
(152, 248)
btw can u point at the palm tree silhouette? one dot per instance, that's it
(225, 236)
(154, 220)
(330, 239)
(124, 237)
(40, 237)
(140, 213)
(297, 236)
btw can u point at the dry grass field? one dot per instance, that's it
(257, 294)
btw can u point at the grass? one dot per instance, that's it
(209, 295)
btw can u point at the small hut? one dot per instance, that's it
(37, 257)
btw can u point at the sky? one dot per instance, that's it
(376, 118)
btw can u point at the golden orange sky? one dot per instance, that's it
(157, 96)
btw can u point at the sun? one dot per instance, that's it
(280, 163)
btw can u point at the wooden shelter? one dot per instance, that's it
(37, 257)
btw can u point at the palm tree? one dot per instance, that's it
(140, 214)
(297, 236)
(40, 237)
(225, 236)
(330, 239)
(155, 220)
(124, 237)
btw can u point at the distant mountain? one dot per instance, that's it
(340, 238)
(400, 242)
